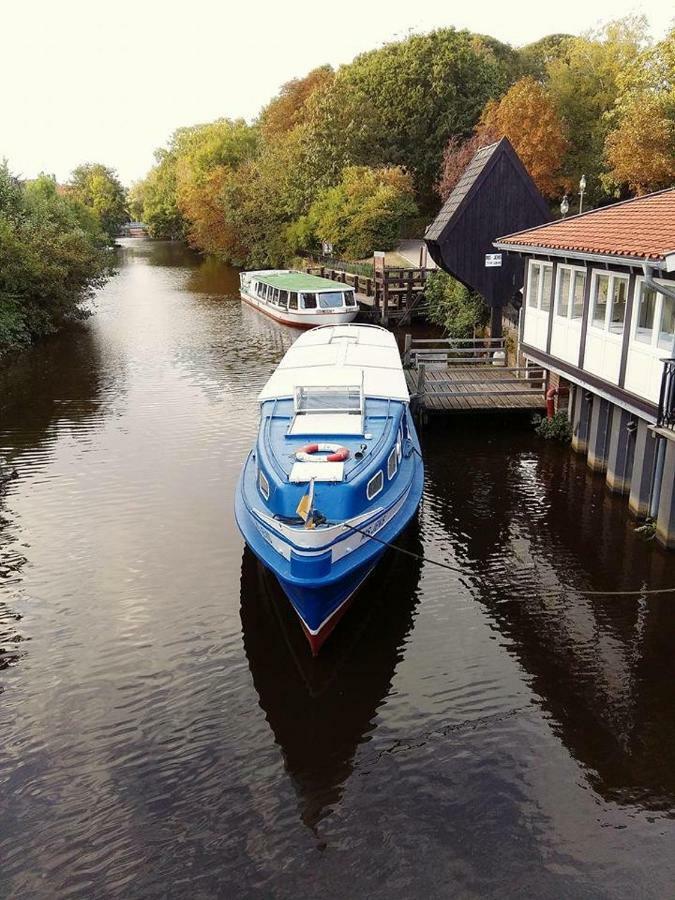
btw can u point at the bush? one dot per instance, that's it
(458, 310)
(557, 428)
(52, 257)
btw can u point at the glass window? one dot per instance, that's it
(265, 291)
(667, 326)
(578, 291)
(293, 300)
(563, 298)
(375, 485)
(333, 399)
(309, 301)
(600, 300)
(392, 464)
(330, 299)
(646, 313)
(283, 298)
(350, 299)
(263, 485)
(546, 288)
(618, 309)
(533, 287)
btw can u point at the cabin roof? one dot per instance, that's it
(341, 355)
(298, 281)
(642, 228)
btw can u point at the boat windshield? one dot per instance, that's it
(330, 299)
(328, 399)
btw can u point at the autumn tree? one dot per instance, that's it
(289, 108)
(640, 148)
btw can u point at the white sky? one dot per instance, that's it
(88, 80)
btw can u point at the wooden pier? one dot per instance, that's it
(393, 295)
(452, 376)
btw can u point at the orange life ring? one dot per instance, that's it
(334, 453)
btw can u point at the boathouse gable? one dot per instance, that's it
(599, 315)
(494, 196)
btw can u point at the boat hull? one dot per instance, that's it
(301, 319)
(320, 601)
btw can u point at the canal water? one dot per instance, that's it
(163, 730)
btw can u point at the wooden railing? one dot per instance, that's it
(454, 351)
(666, 414)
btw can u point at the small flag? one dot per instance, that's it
(304, 509)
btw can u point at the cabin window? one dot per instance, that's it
(330, 300)
(569, 293)
(667, 326)
(610, 293)
(374, 486)
(292, 300)
(563, 292)
(275, 296)
(350, 299)
(283, 299)
(578, 291)
(539, 285)
(646, 315)
(263, 484)
(392, 464)
(308, 301)
(260, 289)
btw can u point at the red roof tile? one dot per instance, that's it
(643, 228)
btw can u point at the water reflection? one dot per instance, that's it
(321, 709)
(534, 527)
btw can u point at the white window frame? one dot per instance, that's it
(263, 485)
(656, 325)
(540, 289)
(392, 460)
(613, 277)
(573, 270)
(380, 475)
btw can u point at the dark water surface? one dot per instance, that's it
(163, 730)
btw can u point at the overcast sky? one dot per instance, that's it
(87, 80)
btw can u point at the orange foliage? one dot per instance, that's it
(287, 109)
(641, 150)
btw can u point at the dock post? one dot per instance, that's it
(598, 434)
(385, 298)
(642, 477)
(665, 517)
(582, 415)
(621, 449)
(406, 349)
(420, 386)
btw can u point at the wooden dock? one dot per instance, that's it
(392, 295)
(454, 376)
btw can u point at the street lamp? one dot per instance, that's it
(582, 188)
(564, 206)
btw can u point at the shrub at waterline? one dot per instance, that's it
(454, 307)
(557, 428)
(52, 257)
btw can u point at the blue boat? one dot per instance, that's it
(336, 472)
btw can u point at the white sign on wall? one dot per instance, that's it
(492, 260)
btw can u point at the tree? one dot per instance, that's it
(535, 58)
(289, 107)
(52, 257)
(527, 116)
(364, 212)
(454, 307)
(585, 83)
(154, 200)
(99, 188)
(640, 148)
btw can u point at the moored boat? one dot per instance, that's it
(336, 472)
(298, 299)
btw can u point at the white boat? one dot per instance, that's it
(298, 299)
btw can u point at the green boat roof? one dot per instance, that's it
(300, 281)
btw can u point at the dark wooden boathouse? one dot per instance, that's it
(494, 196)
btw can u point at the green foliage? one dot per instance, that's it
(557, 428)
(97, 187)
(364, 212)
(453, 306)
(52, 257)
(154, 200)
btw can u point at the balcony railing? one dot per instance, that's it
(666, 417)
